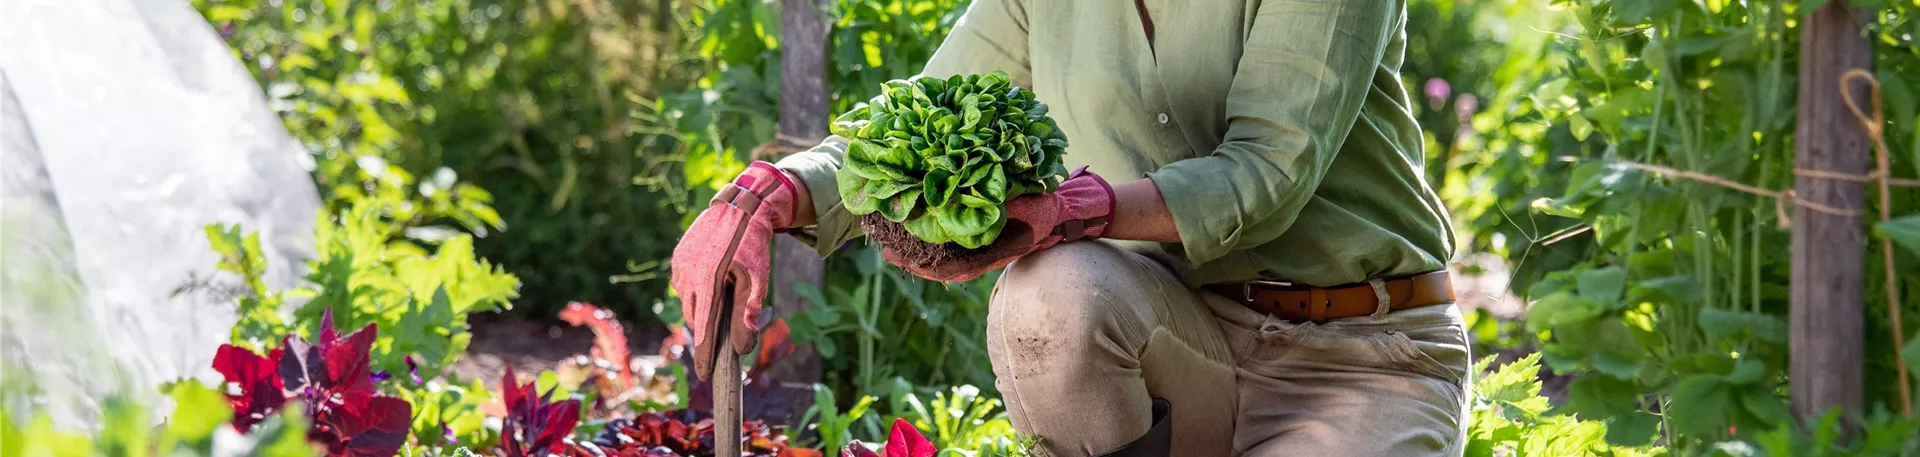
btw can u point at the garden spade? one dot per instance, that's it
(726, 381)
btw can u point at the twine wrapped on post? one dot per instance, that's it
(1882, 171)
(1874, 123)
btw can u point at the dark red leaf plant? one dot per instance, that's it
(332, 382)
(682, 433)
(609, 340)
(535, 425)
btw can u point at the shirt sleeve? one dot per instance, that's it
(991, 35)
(1306, 69)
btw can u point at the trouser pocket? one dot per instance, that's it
(1440, 352)
(1429, 342)
(1392, 385)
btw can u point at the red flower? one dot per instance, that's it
(331, 378)
(535, 427)
(902, 441)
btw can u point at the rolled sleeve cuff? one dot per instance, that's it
(1206, 212)
(816, 169)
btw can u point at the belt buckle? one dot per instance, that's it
(1246, 288)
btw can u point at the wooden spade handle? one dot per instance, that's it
(726, 385)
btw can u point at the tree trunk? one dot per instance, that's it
(1828, 249)
(803, 114)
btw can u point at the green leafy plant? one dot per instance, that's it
(832, 426)
(1509, 417)
(125, 430)
(1881, 434)
(943, 156)
(418, 298)
(448, 414)
(420, 301)
(969, 423)
(258, 306)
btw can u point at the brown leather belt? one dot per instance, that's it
(1319, 304)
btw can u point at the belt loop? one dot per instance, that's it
(1383, 302)
(1317, 310)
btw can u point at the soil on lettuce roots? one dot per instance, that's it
(922, 254)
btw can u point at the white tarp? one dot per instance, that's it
(128, 127)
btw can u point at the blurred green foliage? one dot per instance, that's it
(126, 430)
(732, 108)
(1666, 299)
(548, 104)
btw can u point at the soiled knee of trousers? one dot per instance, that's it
(1062, 301)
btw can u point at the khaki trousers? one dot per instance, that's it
(1084, 335)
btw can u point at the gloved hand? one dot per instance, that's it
(1080, 209)
(728, 247)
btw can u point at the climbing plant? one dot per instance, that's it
(1609, 173)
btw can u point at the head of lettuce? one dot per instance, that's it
(941, 157)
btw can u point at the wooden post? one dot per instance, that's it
(1828, 249)
(803, 114)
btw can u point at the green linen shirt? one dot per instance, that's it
(1277, 131)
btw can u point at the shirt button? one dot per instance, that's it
(1163, 118)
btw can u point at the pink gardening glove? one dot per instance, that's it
(728, 246)
(1081, 209)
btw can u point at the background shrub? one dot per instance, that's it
(549, 103)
